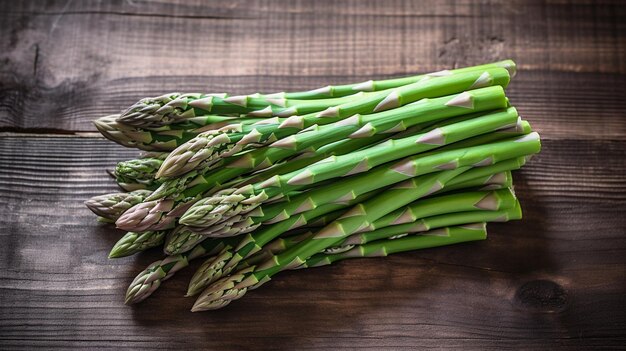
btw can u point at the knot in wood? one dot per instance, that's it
(542, 296)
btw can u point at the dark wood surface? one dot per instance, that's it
(556, 279)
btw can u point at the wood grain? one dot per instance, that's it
(55, 77)
(554, 280)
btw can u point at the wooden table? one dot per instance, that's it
(556, 279)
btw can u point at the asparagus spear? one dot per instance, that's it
(223, 291)
(483, 99)
(165, 138)
(111, 206)
(155, 215)
(203, 181)
(228, 259)
(369, 155)
(180, 185)
(150, 279)
(142, 139)
(227, 289)
(201, 215)
(220, 250)
(440, 108)
(504, 213)
(133, 242)
(381, 248)
(230, 256)
(174, 107)
(206, 150)
(166, 109)
(365, 159)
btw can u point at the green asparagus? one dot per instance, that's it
(133, 242)
(381, 248)
(221, 265)
(207, 149)
(175, 107)
(138, 174)
(111, 206)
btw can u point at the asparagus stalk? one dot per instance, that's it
(165, 138)
(201, 182)
(472, 156)
(219, 250)
(424, 224)
(179, 185)
(380, 248)
(111, 206)
(480, 155)
(363, 160)
(483, 99)
(343, 147)
(133, 242)
(207, 149)
(233, 287)
(457, 202)
(148, 280)
(221, 265)
(165, 109)
(174, 107)
(222, 292)
(231, 201)
(155, 215)
(228, 258)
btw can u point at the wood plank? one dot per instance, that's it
(554, 279)
(68, 63)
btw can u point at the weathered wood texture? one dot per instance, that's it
(555, 279)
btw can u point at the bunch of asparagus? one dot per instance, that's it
(256, 184)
